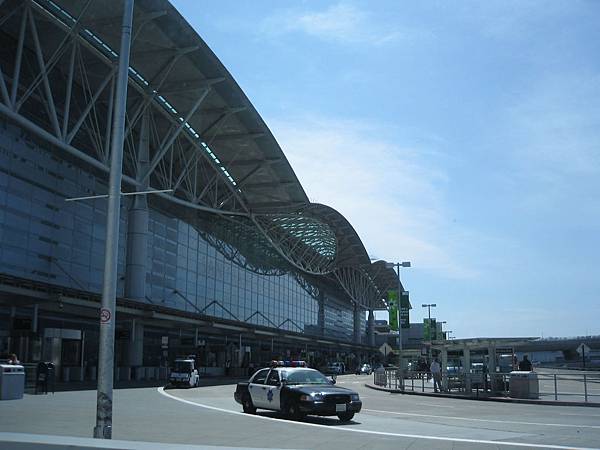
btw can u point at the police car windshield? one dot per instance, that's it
(306, 377)
(182, 366)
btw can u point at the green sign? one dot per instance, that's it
(404, 310)
(393, 309)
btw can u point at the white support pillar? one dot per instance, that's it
(444, 363)
(467, 369)
(495, 382)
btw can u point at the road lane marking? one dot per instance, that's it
(380, 433)
(434, 405)
(582, 415)
(470, 419)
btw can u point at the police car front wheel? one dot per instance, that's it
(293, 411)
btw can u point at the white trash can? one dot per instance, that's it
(524, 385)
(12, 381)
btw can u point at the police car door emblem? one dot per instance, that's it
(270, 395)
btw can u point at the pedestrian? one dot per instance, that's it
(12, 359)
(436, 372)
(227, 367)
(525, 365)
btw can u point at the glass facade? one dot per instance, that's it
(45, 238)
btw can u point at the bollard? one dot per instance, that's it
(555, 388)
(423, 383)
(585, 387)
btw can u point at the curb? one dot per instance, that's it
(485, 399)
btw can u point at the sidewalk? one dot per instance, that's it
(481, 396)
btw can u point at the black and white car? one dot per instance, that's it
(297, 392)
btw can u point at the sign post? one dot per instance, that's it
(582, 350)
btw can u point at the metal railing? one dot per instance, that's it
(580, 387)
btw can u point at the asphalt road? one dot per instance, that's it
(209, 415)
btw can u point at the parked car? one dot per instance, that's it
(335, 368)
(364, 369)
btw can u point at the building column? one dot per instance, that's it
(357, 312)
(467, 369)
(371, 329)
(444, 364)
(34, 322)
(135, 349)
(321, 313)
(496, 383)
(137, 226)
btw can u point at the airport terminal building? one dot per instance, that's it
(226, 259)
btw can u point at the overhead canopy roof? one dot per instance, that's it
(169, 57)
(208, 143)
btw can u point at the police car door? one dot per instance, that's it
(258, 389)
(273, 397)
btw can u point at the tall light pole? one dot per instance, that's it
(103, 428)
(400, 290)
(429, 306)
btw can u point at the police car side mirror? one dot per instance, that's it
(282, 383)
(332, 379)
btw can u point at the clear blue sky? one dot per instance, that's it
(463, 136)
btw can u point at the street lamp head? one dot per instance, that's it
(391, 265)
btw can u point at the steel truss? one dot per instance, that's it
(57, 79)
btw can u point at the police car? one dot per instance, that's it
(295, 390)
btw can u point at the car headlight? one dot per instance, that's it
(354, 397)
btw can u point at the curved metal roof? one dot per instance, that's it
(172, 63)
(206, 142)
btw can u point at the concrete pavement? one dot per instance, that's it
(209, 416)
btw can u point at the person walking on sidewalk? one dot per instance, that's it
(525, 365)
(436, 373)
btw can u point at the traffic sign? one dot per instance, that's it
(583, 349)
(385, 349)
(105, 315)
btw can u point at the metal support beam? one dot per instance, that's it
(42, 66)
(90, 104)
(166, 144)
(103, 428)
(19, 57)
(67, 107)
(4, 90)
